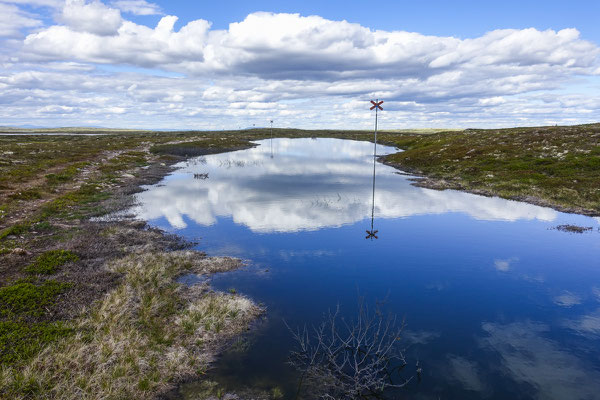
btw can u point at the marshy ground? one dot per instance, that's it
(90, 308)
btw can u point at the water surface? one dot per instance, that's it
(497, 303)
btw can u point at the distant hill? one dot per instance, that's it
(31, 129)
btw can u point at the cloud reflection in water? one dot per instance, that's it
(528, 357)
(309, 184)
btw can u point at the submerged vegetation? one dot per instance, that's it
(358, 359)
(574, 228)
(84, 302)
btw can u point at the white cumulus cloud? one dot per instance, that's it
(137, 7)
(284, 66)
(291, 46)
(94, 18)
(13, 20)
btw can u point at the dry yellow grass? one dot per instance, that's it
(144, 336)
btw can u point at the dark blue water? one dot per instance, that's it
(497, 303)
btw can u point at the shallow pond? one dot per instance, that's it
(497, 303)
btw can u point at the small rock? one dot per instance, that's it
(20, 251)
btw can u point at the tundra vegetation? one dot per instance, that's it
(73, 285)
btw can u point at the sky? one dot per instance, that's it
(305, 64)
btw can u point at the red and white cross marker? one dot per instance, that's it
(376, 104)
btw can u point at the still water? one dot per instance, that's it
(497, 303)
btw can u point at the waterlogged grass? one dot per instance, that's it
(48, 262)
(146, 334)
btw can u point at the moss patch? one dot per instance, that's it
(48, 262)
(28, 299)
(23, 330)
(66, 175)
(16, 229)
(20, 340)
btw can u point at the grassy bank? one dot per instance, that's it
(90, 309)
(557, 167)
(144, 335)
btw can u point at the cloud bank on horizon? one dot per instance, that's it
(89, 63)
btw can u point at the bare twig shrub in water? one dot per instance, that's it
(356, 359)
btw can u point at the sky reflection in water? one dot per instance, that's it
(497, 303)
(308, 185)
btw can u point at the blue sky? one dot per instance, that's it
(218, 65)
(444, 18)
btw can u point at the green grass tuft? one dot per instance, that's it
(28, 299)
(48, 262)
(66, 175)
(20, 341)
(43, 226)
(16, 229)
(81, 199)
(144, 335)
(28, 194)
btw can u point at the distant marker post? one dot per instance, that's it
(372, 234)
(376, 106)
(271, 138)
